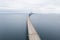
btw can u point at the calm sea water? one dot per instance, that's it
(13, 26)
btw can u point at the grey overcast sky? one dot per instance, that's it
(38, 6)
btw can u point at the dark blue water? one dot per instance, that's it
(13, 26)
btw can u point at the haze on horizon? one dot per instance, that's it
(36, 6)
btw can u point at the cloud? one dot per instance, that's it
(38, 6)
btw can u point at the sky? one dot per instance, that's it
(36, 6)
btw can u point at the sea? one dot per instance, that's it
(13, 26)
